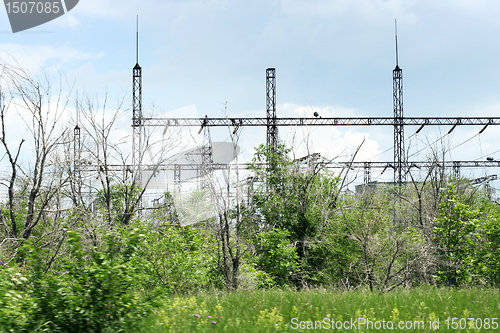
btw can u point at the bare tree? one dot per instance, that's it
(228, 228)
(104, 156)
(31, 98)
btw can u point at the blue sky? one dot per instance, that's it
(331, 56)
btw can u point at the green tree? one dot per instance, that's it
(180, 259)
(276, 256)
(114, 201)
(385, 255)
(299, 196)
(457, 238)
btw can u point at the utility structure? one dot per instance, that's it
(332, 121)
(77, 147)
(206, 156)
(77, 155)
(399, 137)
(178, 168)
(400, 165)
(272, 128)
(137, 113)
(76, 151)
(421, 122)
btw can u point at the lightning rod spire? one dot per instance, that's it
(396, 34)
(137, 41)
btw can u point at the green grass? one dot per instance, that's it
(273, 310)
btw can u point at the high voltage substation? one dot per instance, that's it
(400, 165)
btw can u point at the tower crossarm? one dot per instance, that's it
(416, 164)
(361, 121)
(328, 165)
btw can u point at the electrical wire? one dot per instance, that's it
(496, 151)
(428, 145)
(385, 151)
(472, 137)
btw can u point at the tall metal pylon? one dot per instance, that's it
(272, 128)
(77, 154)
(137, 113)
(76, 151)
(399, 138)
(206, 157)
(367, 173)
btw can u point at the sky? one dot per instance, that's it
(334, 57)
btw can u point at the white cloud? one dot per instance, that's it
(156, 9)
(35, 57)
(332, 142)
(66, 21)
(294, 110)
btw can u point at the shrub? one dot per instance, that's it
(96, 294)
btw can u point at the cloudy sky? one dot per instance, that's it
(331, 56)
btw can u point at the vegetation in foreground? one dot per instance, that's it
(288, 311)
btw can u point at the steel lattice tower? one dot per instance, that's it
(272, 128)
(77, 148)
(137, 114)
(77, 155)
(399, 138)
(367, 173)
(206, 156)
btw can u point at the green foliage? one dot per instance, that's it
(166, 212)
(120, 198)
(489, 252)
(457, 236)
(180, 259)
(15, 303)
(297, 230)
(384, 254)
(300, 199)
(96, 294)
(276, 256)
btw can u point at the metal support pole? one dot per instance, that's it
(272, 128)
(367, 173)
(177, 176)
(137, 114)
(399, 143)
(206, 156)
(137, 122)
(456, 169)
(77, 151)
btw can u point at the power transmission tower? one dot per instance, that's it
(206, 157)
(77, 154)
(399, 143)
(272, 129)
(137, 114)
(367, 173)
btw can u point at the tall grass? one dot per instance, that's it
(273, 311)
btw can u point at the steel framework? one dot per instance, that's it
(367, 166)
(398, 121)
(137, 121)
(272, 129)
(206, 157)
(137, 113)
(335, 121)
(77, 148)
(399, 135)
